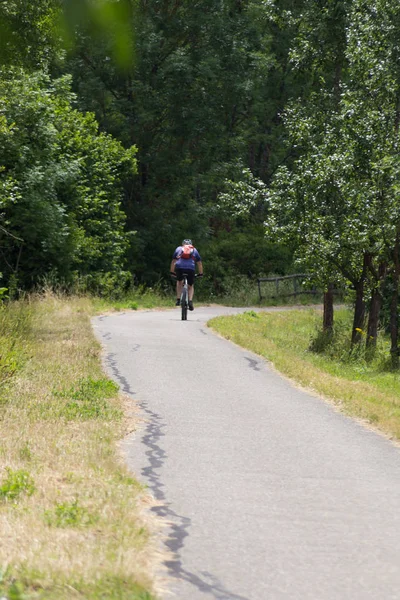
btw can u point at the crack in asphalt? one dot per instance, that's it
(112, 363)
(179, 525)
(253, 364)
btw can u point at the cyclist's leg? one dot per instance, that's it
(179, 283)
(191, 289)
(190, 280)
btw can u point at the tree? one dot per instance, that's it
(340, 201)
(28, 33)
(373, 102)
(60, 183)
(206, 91)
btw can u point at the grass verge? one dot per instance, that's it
(162, 295)
(240, 291)
(71, 517)
(361, 388)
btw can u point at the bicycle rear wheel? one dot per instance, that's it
(184, 304)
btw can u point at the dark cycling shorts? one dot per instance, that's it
(189, 273)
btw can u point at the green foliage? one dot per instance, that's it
(106, 587)
(339, 201)
(28, 33)
(14, 591)
(60, 184)
(336, 346)
(205, 95)
(234, 290)
(112, 285)
(298, 92)
(69, 514)
(111, 587)
(251, 314)
(240, 251)
(15, 328)
(88, 400)
(140, 297)
(15, 484)
(25, 452)
(242, 197)
(106, 21)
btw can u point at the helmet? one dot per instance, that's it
(187, 242)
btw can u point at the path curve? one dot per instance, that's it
(271, 494)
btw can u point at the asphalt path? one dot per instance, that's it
(269, 493)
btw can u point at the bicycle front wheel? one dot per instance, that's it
(184, 304)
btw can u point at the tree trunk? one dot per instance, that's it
(375, 307)
(359, 313)
(328, 309)
(394, 308)
(359, 309)
(373, 318)
(264, 162)
(252, 157)
(394, 325)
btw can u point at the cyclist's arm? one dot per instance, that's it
(200, 267)
(172, 267)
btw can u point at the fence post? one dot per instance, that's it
(296, 288)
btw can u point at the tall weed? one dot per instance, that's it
(15, 328)
(15, 484)
(88, 399)
(336, 345)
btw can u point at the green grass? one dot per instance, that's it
(69, 514)
(141, 299)
(15, 484)
(242, 300)
(87, 399)
(362, 386)
(239, 292)
(16, 321)
(108, 587)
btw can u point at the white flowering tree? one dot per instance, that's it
(340, 201)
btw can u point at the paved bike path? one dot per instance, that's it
(270, 493)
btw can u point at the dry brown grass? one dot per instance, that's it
(83, 527)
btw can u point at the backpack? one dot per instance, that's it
(187, 252)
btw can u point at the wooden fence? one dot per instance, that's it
(292, 286)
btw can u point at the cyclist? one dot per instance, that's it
(184, 260)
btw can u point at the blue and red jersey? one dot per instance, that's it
(186, 263)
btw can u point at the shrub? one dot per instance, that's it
(69, 514)
(88, 400)
(15, 484)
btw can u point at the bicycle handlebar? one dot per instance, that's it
(196, 274)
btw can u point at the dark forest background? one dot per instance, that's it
(122, 123)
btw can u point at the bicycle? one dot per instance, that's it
(185, 296)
